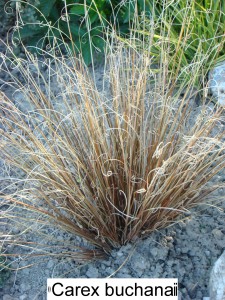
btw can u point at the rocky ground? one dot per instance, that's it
(186, 251)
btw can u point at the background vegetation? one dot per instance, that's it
(84, 26)
(196, 31)
(201, 23)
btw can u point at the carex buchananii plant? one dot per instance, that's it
(108, 160)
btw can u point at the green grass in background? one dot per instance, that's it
(195, 29)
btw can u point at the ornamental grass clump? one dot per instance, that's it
(107, 160)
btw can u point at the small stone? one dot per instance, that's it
(154, 252)
(102, 267)
(140, 263)
(23, 297)
(169, 238)
(15, 230)
(178, 250)
(107, 263)
(217, 279)
(50, 264)
(114, 254)
(170, 245)
(217, 233)
(24, 287)
(92, 272)
(217, 83)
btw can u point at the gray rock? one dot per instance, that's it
(92, 272)
(50, 264)
(119, 254)
(154, 251)
(106, 263)
(25, 287)
(140, 263)
(217, 233)
(217, 279)
(217, 83)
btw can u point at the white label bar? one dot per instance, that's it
(112, 288)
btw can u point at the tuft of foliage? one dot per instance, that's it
(108, 164)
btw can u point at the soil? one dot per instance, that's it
(186, 251)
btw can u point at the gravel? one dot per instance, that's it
(186, 251)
